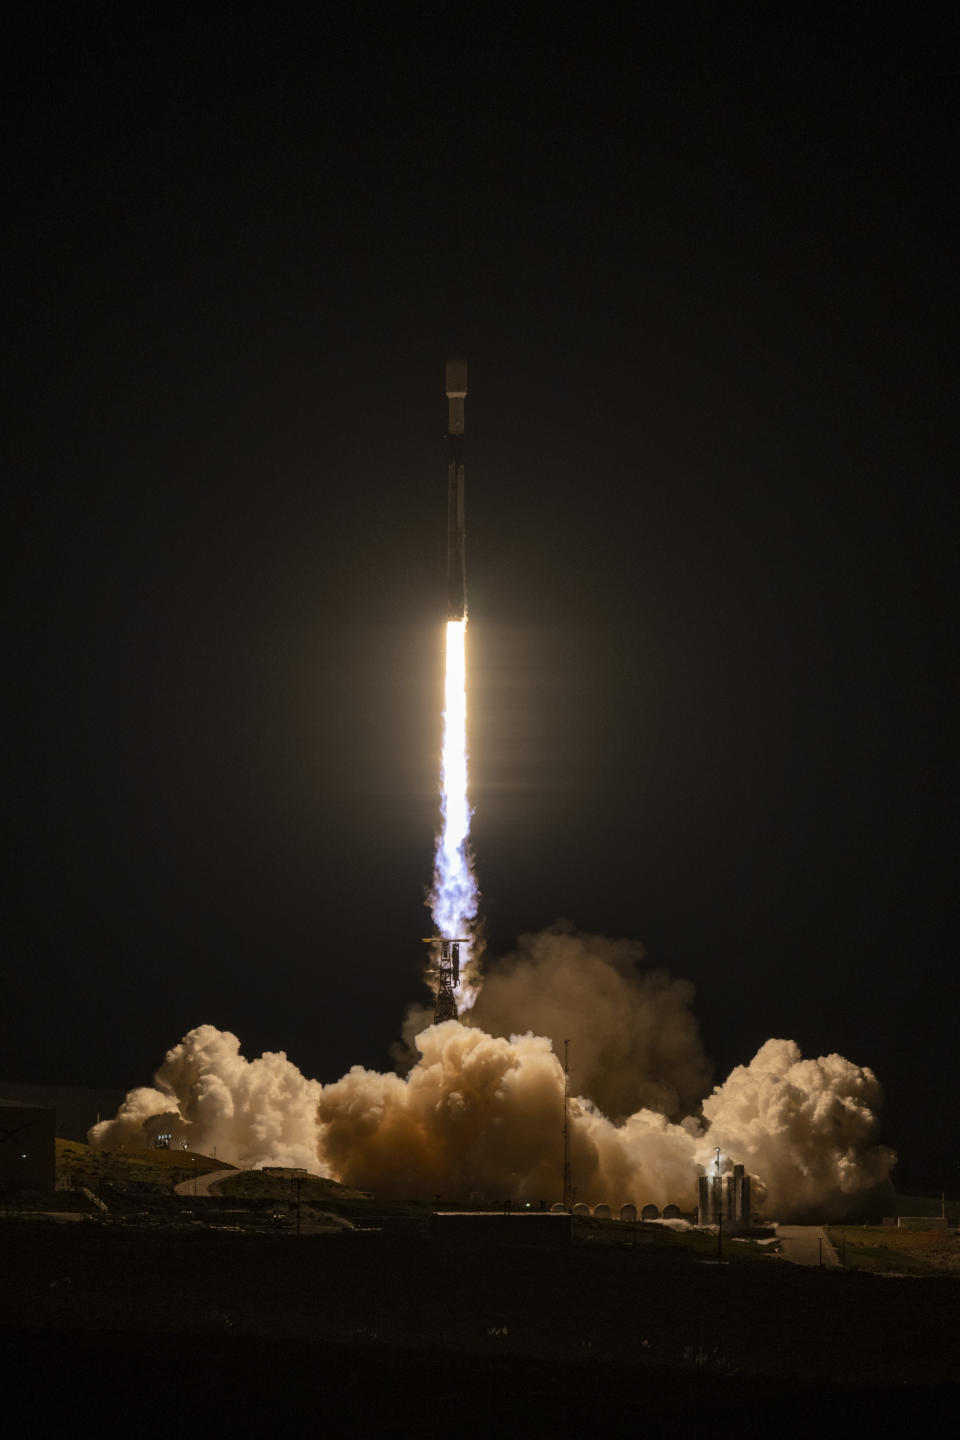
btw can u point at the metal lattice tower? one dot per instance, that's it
(448, 978)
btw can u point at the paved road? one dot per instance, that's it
(203, 1182)
(806, 1245)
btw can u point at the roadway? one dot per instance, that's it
(200, 1184)
(806, 1245)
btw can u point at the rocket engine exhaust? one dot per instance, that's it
(455, 896)
(480, 1110)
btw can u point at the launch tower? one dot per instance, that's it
(448, 978)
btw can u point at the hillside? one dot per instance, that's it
(78, 1164)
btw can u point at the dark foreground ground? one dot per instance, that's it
(365, 1334)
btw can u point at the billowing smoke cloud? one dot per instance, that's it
(806, 1127)
(480, 1113)
(634, 1042)
(476, 1114)
(255, 1112)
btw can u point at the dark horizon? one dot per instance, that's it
(700, 276)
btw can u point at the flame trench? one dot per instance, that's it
(454, 898)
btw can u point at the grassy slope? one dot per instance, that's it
(79, 1164)
(260, 1185)
(886, 1250)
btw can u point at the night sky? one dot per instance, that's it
(703, 273)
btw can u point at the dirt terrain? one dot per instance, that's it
(384, 1321)
(174, 1309)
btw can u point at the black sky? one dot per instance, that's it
(703, 273)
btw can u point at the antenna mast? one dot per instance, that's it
(567, 1187)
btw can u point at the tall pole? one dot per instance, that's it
(566, 1136)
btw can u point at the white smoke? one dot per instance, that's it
(634, 1041)
(481, 1113)
(127, 1129)
(255, 1112)
(476, 1113)
(806, 1127)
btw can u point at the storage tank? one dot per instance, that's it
(628, 1213)
(602, 1212)
(710, 1199)
(581, 1209)
(738, 1197)
(649, 1212)
(671, 1212)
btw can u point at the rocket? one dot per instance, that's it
(456, 518)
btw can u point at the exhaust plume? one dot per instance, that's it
(804, 1126)
(454, 898)
(255, 1112)
(634, 1041)
(479, 1114)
